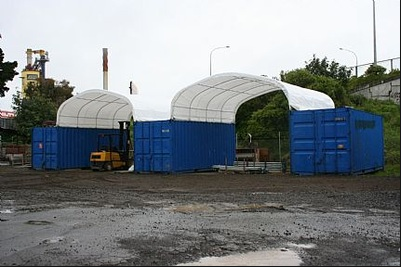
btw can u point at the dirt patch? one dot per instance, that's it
(81, 217)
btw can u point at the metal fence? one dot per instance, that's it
(278, 148)
(7, 124)
(390, 65)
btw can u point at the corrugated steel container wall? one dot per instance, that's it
(58, 148)
(336, 141)
(182, 146)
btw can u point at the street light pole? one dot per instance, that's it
(210, 57)
(374, 35)
(356, 60)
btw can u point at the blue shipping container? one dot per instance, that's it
(58, 148)
(336, 141)
(170, 146)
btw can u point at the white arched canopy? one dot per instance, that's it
(94, 108)
(218, 97)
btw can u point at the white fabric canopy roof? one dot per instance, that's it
(218, 97)
(94, 108)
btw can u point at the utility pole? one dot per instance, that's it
(374, 35)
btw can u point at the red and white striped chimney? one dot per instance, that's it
(105, 70)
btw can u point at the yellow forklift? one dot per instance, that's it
(109, 157)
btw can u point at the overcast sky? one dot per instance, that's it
(164, 45)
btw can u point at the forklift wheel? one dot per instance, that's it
(107, 166)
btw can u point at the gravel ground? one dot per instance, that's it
(82, 217)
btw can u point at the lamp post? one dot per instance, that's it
(356, 60)
(210, 57)
(374, 35)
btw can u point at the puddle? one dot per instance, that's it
(302, 245)
(7, 205)
(53, 240)
(32, 222)
(276, 257)
(348, 211)
(266, 193)
(383, 211)
(222, 207)
(6, 211)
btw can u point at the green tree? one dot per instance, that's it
(271, 119)
(263, 117)
(267, 115)
(322, 76)
(38, 105)
(374, 75)
(332, 88)
(32, 112)
(7, 73)
(322, 67)
(245, 111)
(375, 71)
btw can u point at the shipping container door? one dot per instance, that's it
(343, 146)
(303, 145)
(161, 146)
(38, 160)
(44, 148)
(332, 141)
(152, 146)
(51, 148)
(142, 144)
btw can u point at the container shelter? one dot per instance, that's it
(80, 120)
(212, 101)
(201, 129)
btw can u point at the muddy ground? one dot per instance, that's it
(81, 217)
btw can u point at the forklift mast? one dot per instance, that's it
(124, 132)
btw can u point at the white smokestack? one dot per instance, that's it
(105, 70)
